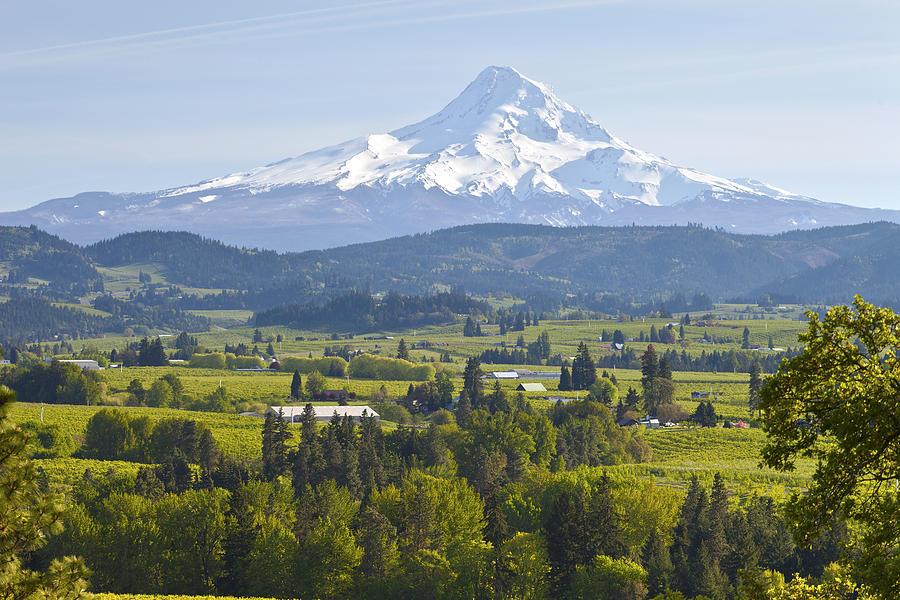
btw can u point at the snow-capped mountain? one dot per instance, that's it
(506, 149)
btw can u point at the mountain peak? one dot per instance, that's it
(503, 99)
(505, 149)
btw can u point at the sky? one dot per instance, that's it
(126, 96)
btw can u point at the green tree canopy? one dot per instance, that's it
(838, 403)
(27, 518)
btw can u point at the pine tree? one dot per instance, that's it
(745, 339)
(561, 530)
(472, 383)
(496, 530)
(378, 540)
(519, 325)
(654, 336)
(605, 535)
(268, 444)
(649, 374)
(463, 408)
(756, 383)
(402, 350)
(584, 372)
(296, 386)
(657, 562)
(469, 328)
(565, 379)
(238, 542)
(664, 370)
(632, 399)
(27, 517)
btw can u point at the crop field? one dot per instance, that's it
(236, 435)
(62, 473)
(254, 388)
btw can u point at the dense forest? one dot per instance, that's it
(496, 502)
(359, 311)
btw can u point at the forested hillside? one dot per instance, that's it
(610, 269)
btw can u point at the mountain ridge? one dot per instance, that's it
(581, 264)
(507, 149)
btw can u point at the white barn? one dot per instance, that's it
(323, 412)
(86, 365)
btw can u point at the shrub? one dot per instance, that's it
(673, 413)
(332, 366)
(213, 360)
(367, 366)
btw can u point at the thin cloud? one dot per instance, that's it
(367, 16)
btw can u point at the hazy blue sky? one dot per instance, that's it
(127, 96)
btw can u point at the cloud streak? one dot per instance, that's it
(381, 14)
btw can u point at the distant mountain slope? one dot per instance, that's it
(505, 150)
(28, 252)
(636, 263)
(192, 260)
(639, 262)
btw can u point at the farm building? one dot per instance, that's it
(323, 412)
(531, 387)
(503, 375)
(86, 365)
(649, 422)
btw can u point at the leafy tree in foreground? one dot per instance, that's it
(838, 403)
(27, 517)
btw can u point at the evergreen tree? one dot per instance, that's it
(649, 375)
(658, 564)
(745, 339)
(496, 530)
(296, 386)
(402, 350)
(664, 371)
(519, 324)
(28, 517)
(378, 540)
(544, 345)
(563, 531)
(472, 382)
(268, 445)
(463, 408)
(584, 371)
(605, 535)
(654, 336)
(756, 383)
(565, 379)
(469, 328)
(632, 399)
(237, 544)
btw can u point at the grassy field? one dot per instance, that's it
(236, 435)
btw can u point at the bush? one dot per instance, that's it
(367, 366)
(243, 362)
(213, 360)
(671, 413)
(393, 412)
(51, 440)
(332, 366)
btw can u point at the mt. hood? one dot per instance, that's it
(505, 150)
